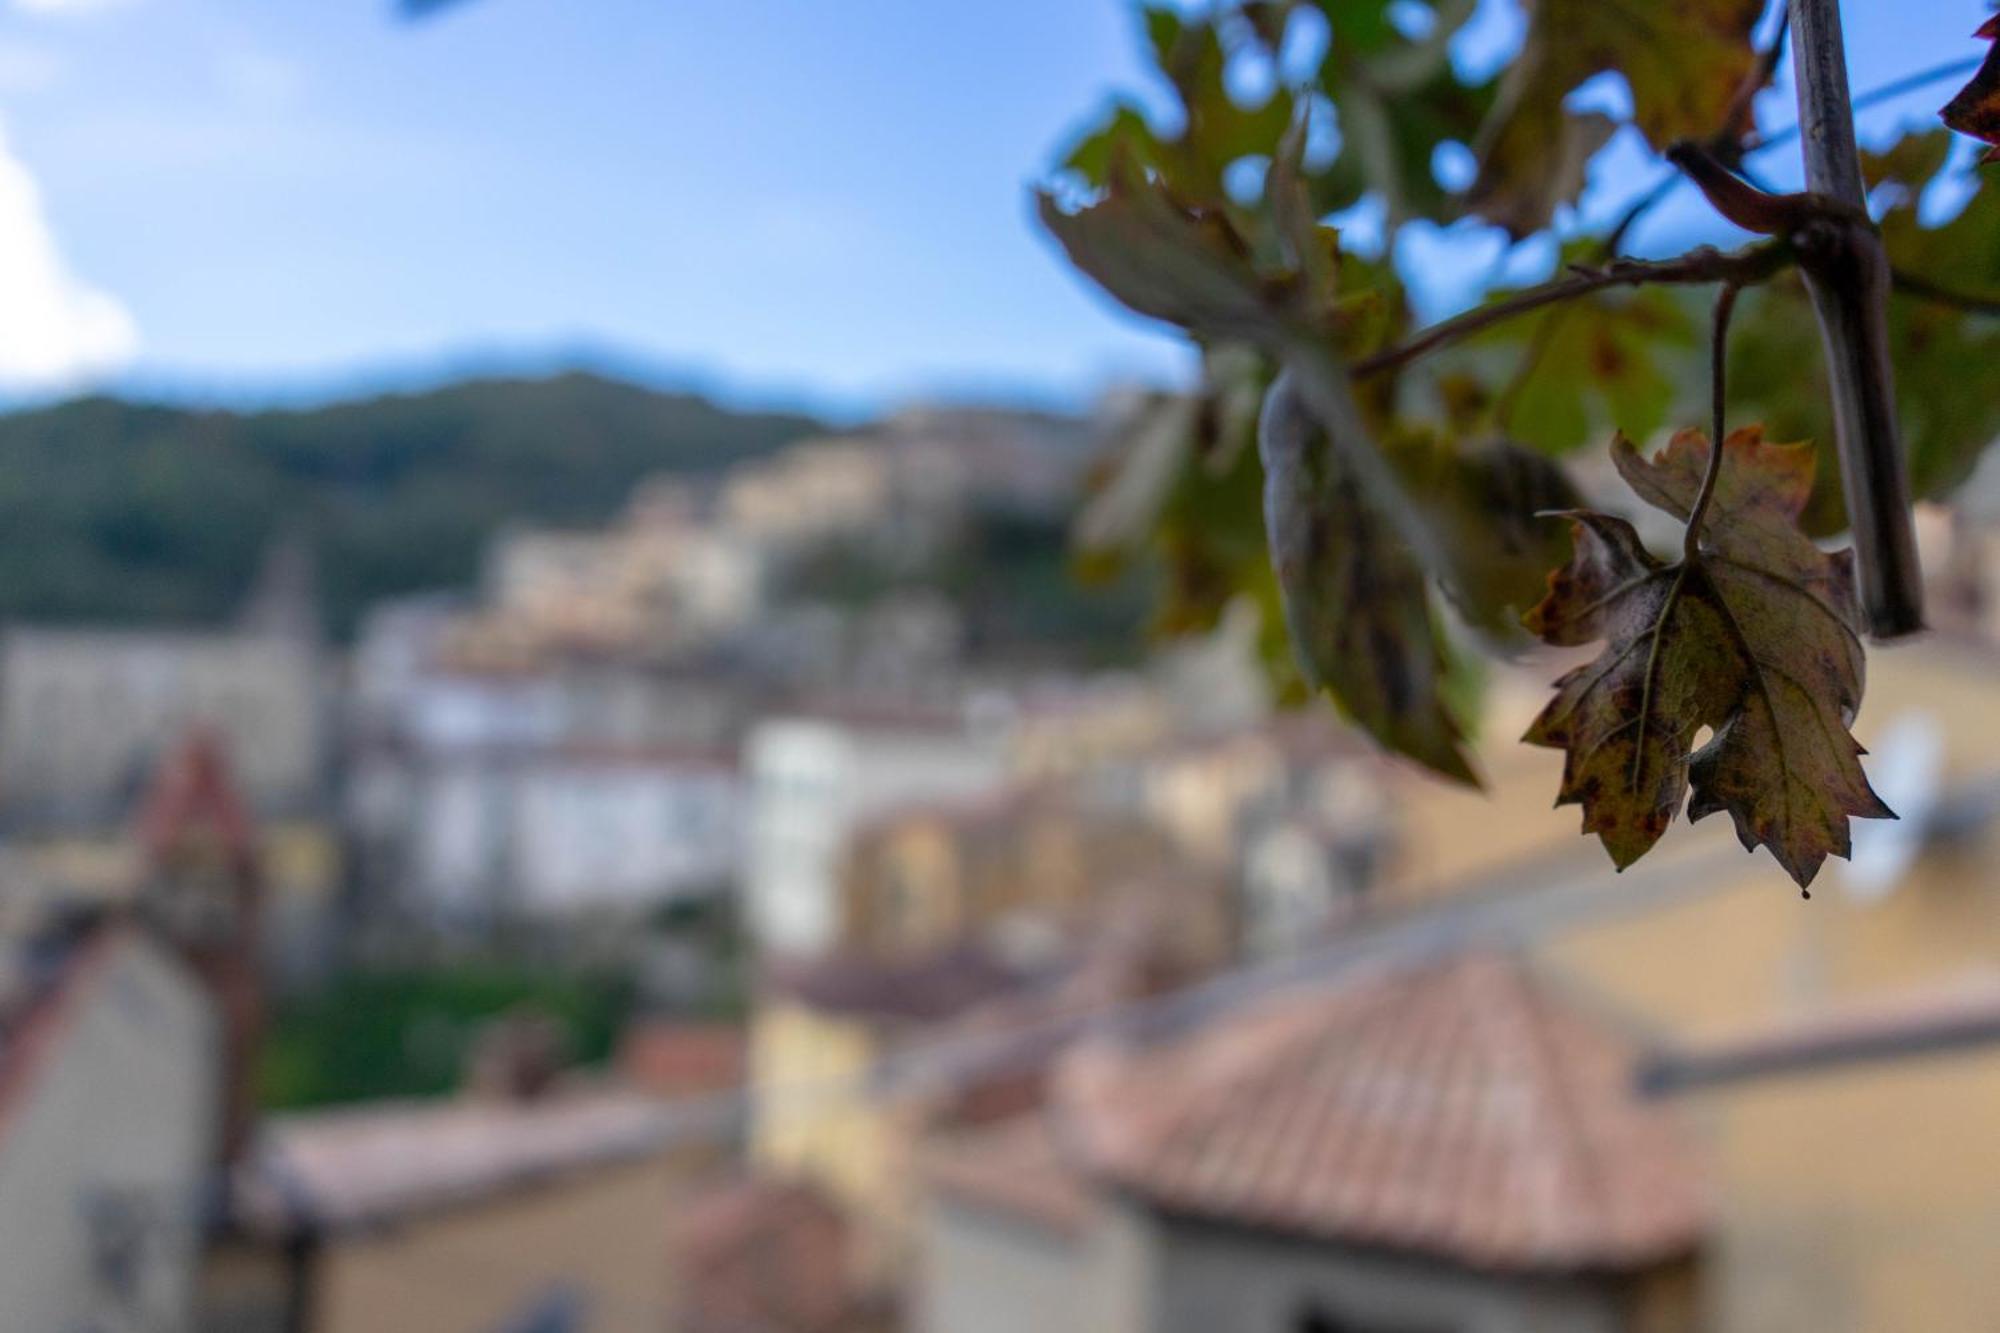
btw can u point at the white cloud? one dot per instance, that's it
(54, 329)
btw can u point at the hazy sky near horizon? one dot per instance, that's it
(826, 201)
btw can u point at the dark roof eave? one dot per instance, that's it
(1637, 1262)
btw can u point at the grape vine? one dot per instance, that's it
(1380, 492)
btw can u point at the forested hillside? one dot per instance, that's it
(112, 510)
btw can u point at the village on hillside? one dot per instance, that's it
(717, 921)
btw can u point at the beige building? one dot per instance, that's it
(855, 1060)
(810, 493)
(1084, 726)
(1854, 1194)
(820, 1030)
(1021, 871)
(461, 1216)
(649, 584)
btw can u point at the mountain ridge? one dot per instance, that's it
(126, 510)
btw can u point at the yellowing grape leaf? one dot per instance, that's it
(1976, 108)
(1354, 596)
(1753, 637)
(1684, 62)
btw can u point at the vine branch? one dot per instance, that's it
(1737, 122)
(1725, 306)
(1847, 276)
(1699, 266)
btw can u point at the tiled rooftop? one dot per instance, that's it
(1459, 1109)
(764, 1254)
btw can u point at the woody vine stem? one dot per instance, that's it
(1725, 306)
(1847, 276)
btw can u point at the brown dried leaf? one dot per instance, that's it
(1976, 108)
(1754, 638)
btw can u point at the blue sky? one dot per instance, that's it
(783, 198)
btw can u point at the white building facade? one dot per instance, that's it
(550, 834)
(814, 779)
(84, 713)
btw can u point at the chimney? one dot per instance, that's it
(518, 1057)
(204, 895)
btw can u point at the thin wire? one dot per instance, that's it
(1909, 83)
(1910, 284)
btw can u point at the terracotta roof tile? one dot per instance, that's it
(1017, 1167)
(35, 1018)
(764, 1256)
(1458, 1109)
(667, 1058)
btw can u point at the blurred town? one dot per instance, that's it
(739, 916)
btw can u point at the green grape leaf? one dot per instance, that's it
(1975, 110)
(1685, 62)
(1124, 501)
(1127, 134)
(1753, 637)
(1309, 246)
(1216, 130)
(1354, 597)
(1605, 362)
(1397, 98)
